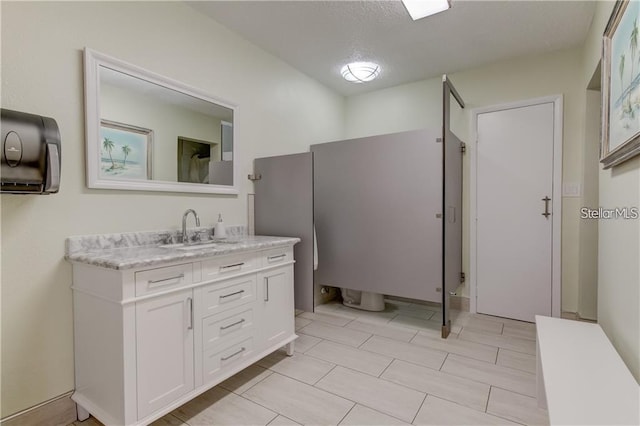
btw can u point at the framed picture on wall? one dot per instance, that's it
(621, 85)
(125, 151)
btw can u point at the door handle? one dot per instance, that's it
(190, 303)
(546, 200)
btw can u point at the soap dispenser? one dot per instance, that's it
(220, 231)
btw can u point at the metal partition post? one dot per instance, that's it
(452, 150)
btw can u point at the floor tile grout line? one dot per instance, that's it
(363, 343)
(490, 334)
(485, 383)
(446, 398)
(312, 346)
(379, 378)
(419, 408)
(445, 340)
(345, 416)
(443, 361)
(516, 392)
(341, 365)
(263, 406)
(334, 341)
(259, 381)
(494, 364)
(361, 403)
(486, 406)
(508, 349)
(306, 384)
(325, 374)
(498, 365)
(275, 417)
(386, 368)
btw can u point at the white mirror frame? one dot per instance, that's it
(92, 62)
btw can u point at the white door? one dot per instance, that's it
(514, 191)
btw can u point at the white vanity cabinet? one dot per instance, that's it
(149, 339)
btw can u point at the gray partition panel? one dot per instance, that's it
(376, 204)
(284, 207)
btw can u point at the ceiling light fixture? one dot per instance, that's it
(360, 72)
(419, 9)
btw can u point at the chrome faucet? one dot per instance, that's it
(185, 238)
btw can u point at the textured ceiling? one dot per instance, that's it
(318, 37)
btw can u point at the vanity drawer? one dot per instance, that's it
(275, 256)
(219, 329)
(161, 279)
(229, 265)
(216, 360)
(230, 294)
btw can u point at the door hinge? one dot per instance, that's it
(254, 177)
(463, 147)
(462, 277)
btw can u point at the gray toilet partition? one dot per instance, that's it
(377, 206)
(387, 211)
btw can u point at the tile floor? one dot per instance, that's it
(355, 367)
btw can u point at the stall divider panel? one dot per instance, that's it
(284, 207)
(377, 211)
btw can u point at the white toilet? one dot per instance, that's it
(364, 300)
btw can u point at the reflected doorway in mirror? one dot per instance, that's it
(194, 157)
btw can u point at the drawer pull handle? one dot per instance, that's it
(233, 354)
(278, 257)
(235, 265)
(177, 277)
(232, 294)
(232, 325)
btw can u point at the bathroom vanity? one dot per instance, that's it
(156, 326)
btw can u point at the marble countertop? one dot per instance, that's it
(134, 250)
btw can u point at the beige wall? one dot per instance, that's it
(618, 240)
(280, 111)
(418, 105)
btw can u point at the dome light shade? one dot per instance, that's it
(360, 72)
(419, 9)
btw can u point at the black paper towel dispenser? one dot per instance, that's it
(30, 153)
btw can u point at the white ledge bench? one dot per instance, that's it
(581, 379)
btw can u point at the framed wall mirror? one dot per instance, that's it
(147, 132)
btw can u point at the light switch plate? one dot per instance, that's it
(571, 189)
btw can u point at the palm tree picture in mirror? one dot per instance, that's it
(125, 152)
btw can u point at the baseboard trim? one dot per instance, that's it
(576, 317)
(57, 411)
(460, 303)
